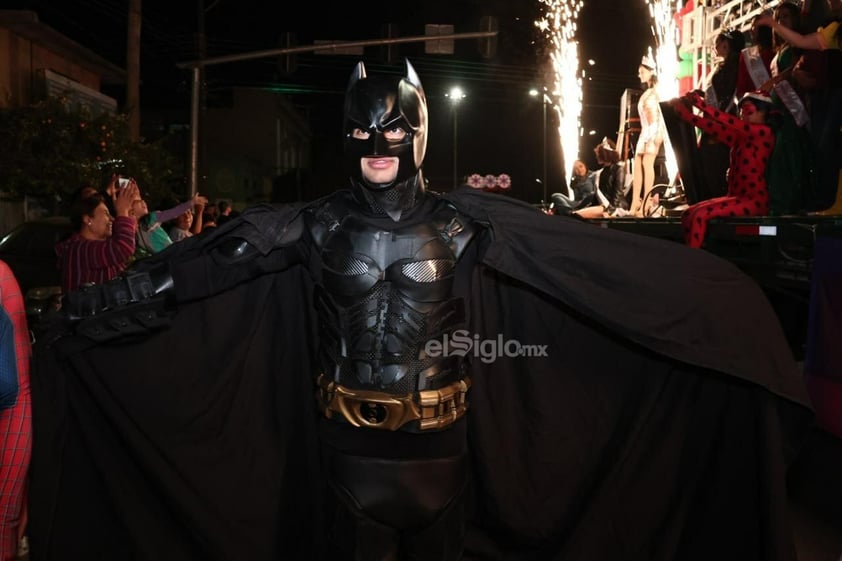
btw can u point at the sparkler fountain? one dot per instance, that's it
(559, 27)
(665, 30)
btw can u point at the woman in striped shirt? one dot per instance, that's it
(101, 246)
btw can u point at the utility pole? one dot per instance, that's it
(199, 102)
(544, 101)
(132, 108)
(455, 146)
(456, 95)
(534, 92)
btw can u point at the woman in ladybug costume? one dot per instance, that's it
(751, 139)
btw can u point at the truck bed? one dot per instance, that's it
(776, 251)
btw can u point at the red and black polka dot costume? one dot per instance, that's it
(751, 146)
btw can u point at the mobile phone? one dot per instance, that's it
(121, 182)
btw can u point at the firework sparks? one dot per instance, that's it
(667, 41)
(559, 27)
(665, 31)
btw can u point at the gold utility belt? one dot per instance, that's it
(432, 409)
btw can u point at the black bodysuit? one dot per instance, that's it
(393, 435)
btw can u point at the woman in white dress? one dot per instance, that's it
(651, 137)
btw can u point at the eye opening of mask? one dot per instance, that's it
(392, 134)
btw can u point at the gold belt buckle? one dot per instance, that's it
(366, 408)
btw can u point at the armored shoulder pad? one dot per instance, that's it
(456, 229)
(322, 220)
(239, 248)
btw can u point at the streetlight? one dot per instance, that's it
(534, 93)
(456, 95)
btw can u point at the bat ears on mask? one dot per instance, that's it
(359, 73)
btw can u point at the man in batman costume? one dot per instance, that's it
(388, 373)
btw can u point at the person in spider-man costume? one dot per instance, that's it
(751, 139)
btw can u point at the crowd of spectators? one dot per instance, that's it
(115, 227)
(111, 228)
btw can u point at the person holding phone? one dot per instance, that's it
(102, 244)
(151, 236)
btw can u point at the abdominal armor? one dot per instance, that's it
(384, 294)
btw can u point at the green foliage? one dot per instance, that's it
(51, 149)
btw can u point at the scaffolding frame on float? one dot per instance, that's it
(700, 27)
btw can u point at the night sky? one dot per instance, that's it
(499, 125)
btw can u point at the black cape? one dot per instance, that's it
(660, 426)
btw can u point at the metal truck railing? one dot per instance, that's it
(700, 27)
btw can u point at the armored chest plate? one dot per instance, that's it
(384, 293)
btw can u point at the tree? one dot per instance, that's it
(52, 148)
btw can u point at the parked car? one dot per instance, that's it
(29, 251)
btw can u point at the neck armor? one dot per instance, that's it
(375, 105)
